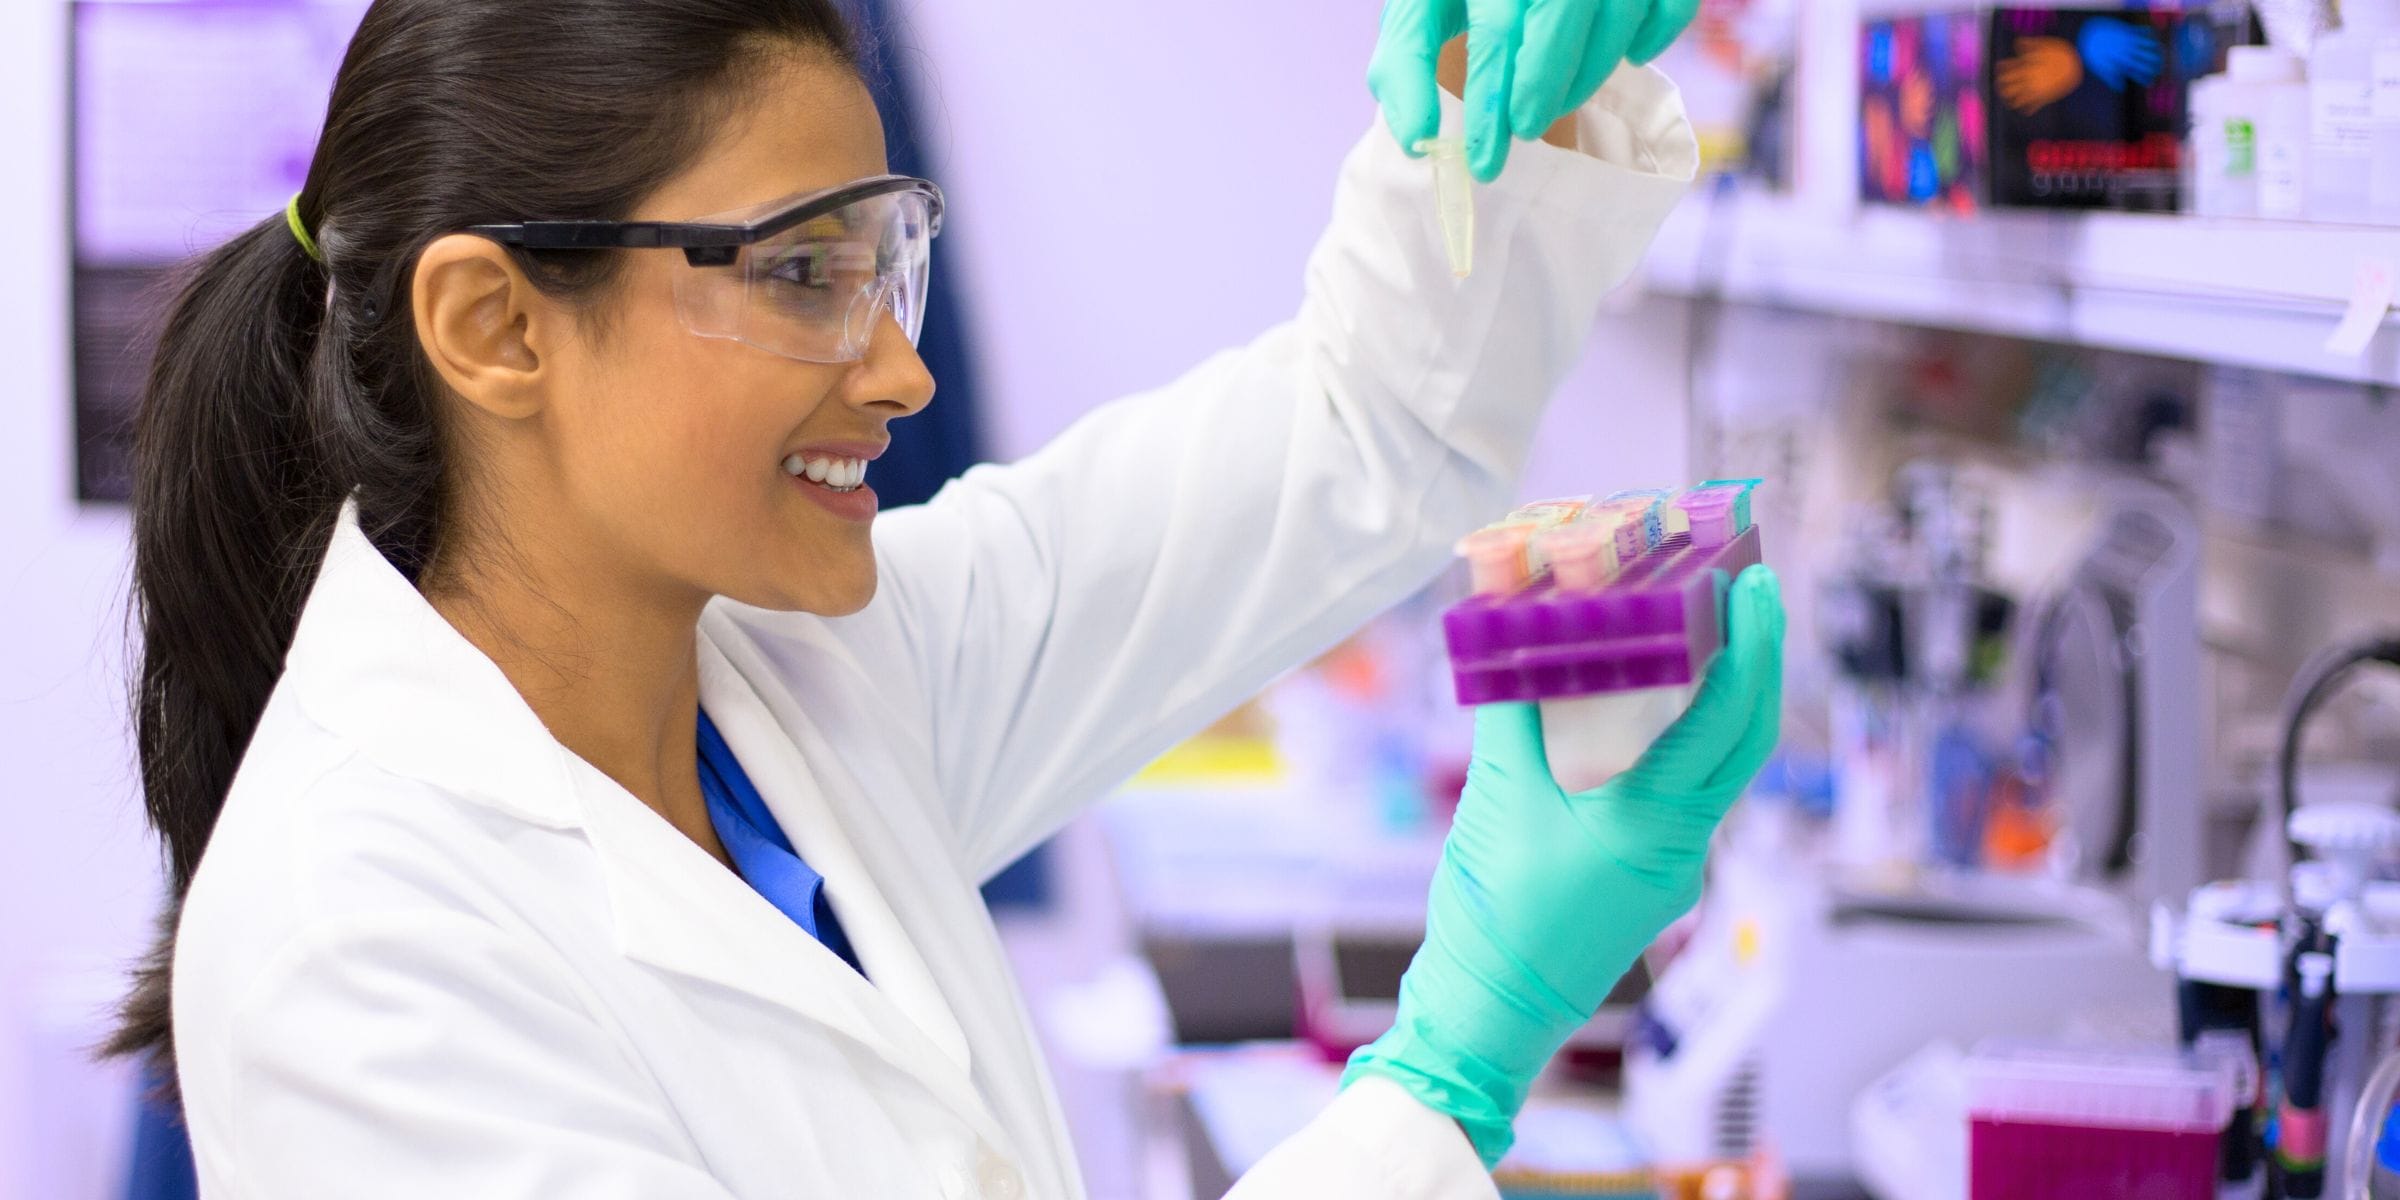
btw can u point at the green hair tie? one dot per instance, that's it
(291, 217)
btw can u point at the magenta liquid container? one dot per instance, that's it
(1610, 624)
(2050, 1122)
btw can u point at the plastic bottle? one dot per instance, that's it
(2283, 144)
(2229, 112)
(2354, 116)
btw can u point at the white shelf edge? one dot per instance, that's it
(2242, 293)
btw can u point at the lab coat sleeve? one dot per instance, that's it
(415, 1054)
(1074, 614)
(1374, 1142)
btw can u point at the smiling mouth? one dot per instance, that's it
(832, 472)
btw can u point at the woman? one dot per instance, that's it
(592, 808)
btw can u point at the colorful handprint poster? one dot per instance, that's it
(1921, 124)
(2089, 107)
(2035, 107)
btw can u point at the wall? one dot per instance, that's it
(77, 878)
(1133, 187)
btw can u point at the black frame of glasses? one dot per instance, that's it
(706, 245)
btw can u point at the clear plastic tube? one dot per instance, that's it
(2366, 1126)
(1453, 199)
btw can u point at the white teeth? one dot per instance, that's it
(840, 474)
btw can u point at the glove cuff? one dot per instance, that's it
(1468, 1053)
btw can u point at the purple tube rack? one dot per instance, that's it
(1656, 624)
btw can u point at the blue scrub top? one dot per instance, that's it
(761, 854)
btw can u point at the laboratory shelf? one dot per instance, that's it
(2248, 293)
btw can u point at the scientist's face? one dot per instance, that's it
(674, 446)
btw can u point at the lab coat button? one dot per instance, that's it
(996, 1179)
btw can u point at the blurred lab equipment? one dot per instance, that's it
(1798, 991)
(1901, 924)
(2315, 951)
(2047, 1121)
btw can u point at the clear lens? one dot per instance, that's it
(818, 291)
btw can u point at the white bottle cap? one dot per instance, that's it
(2262, 64)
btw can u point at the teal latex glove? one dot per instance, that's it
(1543, 900)
(1529, 62)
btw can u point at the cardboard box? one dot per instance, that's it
(2035, 107)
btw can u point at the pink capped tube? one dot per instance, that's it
(1718, 510)
(1497, 557)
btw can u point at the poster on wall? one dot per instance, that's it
(193, 120)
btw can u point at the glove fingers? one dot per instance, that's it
(1556, 33)
(1612, 36)
(1495, 30)
(1758, 633)
(1508, 745)
(1666, 22)
(1692, 749)
(1401, 75)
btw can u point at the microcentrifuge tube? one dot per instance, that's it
(1453, 199)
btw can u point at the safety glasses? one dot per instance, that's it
(807, 277)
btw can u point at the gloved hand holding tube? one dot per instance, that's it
(1530, 62)
(1543, 900)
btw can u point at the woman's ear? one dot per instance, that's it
(483, 325)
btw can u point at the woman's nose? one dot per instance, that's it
(891, 380)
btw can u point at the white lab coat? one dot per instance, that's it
(430, 952)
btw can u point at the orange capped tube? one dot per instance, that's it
(1582, 554)
(1498, 558)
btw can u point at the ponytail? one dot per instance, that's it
(232, 504)
(288, 380)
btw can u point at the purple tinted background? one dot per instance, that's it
(194, 120)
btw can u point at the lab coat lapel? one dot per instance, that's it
(940, 920)
(795, 792)
(681, 911)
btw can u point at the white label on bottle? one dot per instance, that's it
(2281, 170)
(2343, 113)
(2385, 102)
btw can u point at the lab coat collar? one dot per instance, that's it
(374, 664)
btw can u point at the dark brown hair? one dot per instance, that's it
(282, 384)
